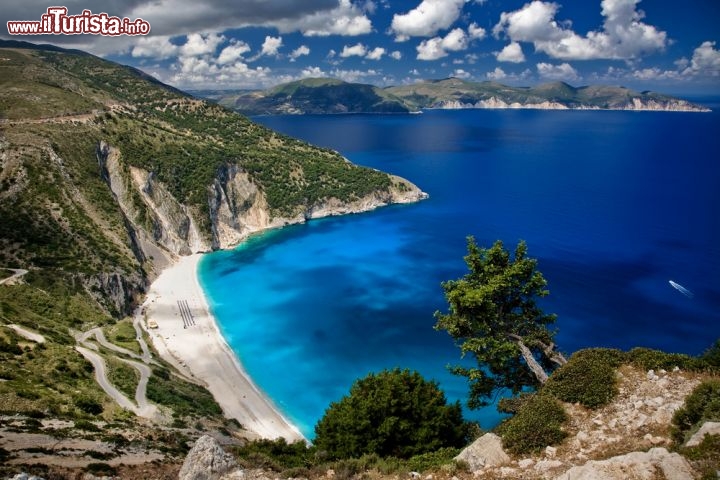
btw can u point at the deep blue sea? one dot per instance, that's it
(614, 205)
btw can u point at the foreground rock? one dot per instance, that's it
(708, 428)
(483, 452)
(206, 461)
(656, 464)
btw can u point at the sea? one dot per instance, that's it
(614, 205)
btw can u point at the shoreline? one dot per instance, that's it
(190, 339)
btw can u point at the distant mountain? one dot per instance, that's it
(456, 93)
(319, 95)
(315, 95)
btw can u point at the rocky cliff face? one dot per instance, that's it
(163, 228)
(636, 104)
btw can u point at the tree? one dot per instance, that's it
(494, 316)
(394, 413)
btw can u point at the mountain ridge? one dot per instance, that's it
(326, 96)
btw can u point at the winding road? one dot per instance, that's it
(17, 273)
(141, 407)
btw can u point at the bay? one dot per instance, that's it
(614, 205)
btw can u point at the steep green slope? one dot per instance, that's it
(106, 175)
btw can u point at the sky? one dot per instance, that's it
(667, 46)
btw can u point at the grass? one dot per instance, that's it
(123, 334)
(123, 376)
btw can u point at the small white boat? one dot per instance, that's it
(681, 289)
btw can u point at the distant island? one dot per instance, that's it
(327, 96)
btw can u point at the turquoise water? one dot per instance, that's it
(613, 204)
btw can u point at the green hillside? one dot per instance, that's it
(317, 95)
(89, 234)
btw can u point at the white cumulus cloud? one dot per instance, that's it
(497, 74)
(476, 32)
(460, 73)
(705, 61)
(346, 19)
(270, 46)
(438, 47)
(396, 55)
(623, 35)
(427, 19)
(158, 47)
(233, 52)
(375, 54)
(563, 71)
(201, 44)
(299, 52)
(358, 50)
(511, 53)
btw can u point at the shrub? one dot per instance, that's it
(432, 460)
(89, 405)
(588, 378)
(276, 454)
(394, 413)
(101, 468)
(647, 359)
(86, 425)
(537, 425)
(712, 355)
(702, 405)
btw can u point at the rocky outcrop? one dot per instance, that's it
(163, 227)
(656, 464)
(116, 292)
(635, 104)
(626, 439)
(206, 461)
(496, 103)
(708, 428)
(483, 452)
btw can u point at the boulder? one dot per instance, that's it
(206, 461)
(657, 463)
(708, 428)
(485, 451)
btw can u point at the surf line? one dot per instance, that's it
(681, 289)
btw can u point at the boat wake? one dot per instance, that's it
(681, 289)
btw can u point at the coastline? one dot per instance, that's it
(194, 345)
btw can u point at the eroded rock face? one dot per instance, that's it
(655, 464)
(483, 452)
(206, 461)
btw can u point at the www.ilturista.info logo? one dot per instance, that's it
(57, 22)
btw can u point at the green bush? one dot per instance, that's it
(276, 455)
(705, 458)
(702, 405)
(89, 405)
(537, 425)
(432, 460)
(712, 355)
(588, 378)
(648, 359)
(395, 413)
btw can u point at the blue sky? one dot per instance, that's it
(662, 45)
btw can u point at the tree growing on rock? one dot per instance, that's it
(494, 316)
